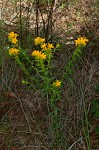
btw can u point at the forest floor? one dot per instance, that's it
(23, 113)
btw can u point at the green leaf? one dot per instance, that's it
(97, 130)
(95, 107)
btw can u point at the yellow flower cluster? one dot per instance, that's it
(81, 41)
(39, 40)
(13, 37)
(14, 51)
(47, 46)
(38, 54)
(57, 83)
(44, 46)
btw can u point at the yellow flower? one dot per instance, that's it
(14, 51)
(50, 46)
(35, 53)
(14, 41)
(57, 83)
(81, 41)
(39, 40)
(47, 47)
(42, 56)
(38, 55)
(12, 35)
(42, 40)
(44, 46)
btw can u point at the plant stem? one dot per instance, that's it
(86, 129)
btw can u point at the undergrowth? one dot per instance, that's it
(46, 84)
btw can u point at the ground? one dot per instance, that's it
(23, 113)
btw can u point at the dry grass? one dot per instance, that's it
(23, 112)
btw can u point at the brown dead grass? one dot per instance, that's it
(24, 114)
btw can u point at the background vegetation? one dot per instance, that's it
(24, 112)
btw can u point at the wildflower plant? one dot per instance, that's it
(80, 44)
(39, 74)
(42, 78)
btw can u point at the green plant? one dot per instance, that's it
(85, 125)
(77, 54)
(42, 78)
(80, 44)
(95, 110)
(38, 72)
